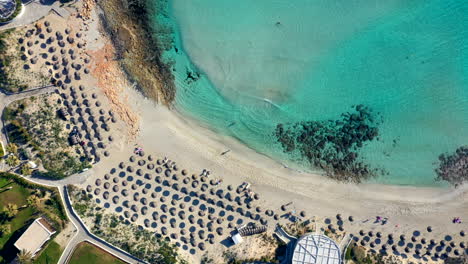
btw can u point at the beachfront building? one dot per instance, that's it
(35, 236)
(316, 249)
(7, 8)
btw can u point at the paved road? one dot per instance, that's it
(34, 11)
(83, 234)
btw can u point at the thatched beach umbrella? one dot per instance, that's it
(125, 192)
(106, 185)
(115, 179)
(134, 186)
(172, 211)
(98, 182)
(191, 219)
(127, 214)
(115, 188)
(89, 188)
(105, 195)
(144, 210)
(115, 199)
(429, 229)
(155, 216)
(134, 217)
(124, 183)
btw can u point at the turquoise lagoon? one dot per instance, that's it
(266, 62)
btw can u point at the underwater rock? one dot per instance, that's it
(453, 168)
(333, 145)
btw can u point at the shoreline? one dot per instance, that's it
(221, 142)
(165, 132)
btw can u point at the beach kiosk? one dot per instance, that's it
(316, 249)
(237, 239)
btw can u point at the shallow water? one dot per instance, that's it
(274, 61)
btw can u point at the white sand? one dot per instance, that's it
(166, 133)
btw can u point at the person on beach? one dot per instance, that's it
(385, 220)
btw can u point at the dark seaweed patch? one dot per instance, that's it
(333, 145)
(453, 168)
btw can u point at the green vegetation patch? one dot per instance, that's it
(138, 242)
(87, 253)
(51, 254)
(42, 137)
(20, 204)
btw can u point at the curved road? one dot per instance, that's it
(8, 98)
(82, 232)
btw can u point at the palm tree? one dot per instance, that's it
(12, 161)
(24, 257)
(11, 209)
(26, 169)
(12, 148)
(5, 229)
(32, 201)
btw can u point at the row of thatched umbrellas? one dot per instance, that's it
(178, 188)
(420, 246)
(60, 69)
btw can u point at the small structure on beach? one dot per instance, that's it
(237, 239)
(316, 249)
(35, 236)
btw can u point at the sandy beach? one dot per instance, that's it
(163, 132)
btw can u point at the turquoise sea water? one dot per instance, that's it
(266, 62)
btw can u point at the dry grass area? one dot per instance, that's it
(15, 74)
(115, 230)
(42, 135)
(257, 248)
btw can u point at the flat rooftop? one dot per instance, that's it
(35, 236)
